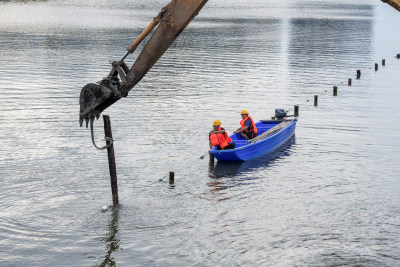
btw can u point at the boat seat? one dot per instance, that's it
(239, 143)
(237, 138)
(264, 129)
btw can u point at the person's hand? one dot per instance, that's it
(212, 132)
(236, 131)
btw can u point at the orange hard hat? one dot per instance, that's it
(244, 112)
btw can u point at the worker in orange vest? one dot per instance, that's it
(247, 128)
(219, 137)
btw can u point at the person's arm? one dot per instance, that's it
(247, 125)
(239, 130)
(220, 131)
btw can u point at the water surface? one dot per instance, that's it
(329, 197)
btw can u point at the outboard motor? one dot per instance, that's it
(280, 114)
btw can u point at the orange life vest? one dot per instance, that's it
(253, 127)
(221, 139)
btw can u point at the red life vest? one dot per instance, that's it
(221, 139)
(253, 127)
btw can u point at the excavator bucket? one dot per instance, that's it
(93, 100)
(96, 97)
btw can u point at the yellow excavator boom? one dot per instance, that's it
(393, 3)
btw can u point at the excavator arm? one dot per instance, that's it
(393, 3)
(170, 22)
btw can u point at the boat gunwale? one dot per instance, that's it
(256, 143)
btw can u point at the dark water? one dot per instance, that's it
(329, 197)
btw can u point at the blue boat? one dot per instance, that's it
(271, 134)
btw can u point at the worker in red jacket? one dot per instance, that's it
(247, 128)
(219, 137)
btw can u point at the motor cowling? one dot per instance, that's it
(280, 114)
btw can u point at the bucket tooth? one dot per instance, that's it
(97, 113)
(87, 122)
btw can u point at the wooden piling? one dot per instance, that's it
(383, 62)
(171, 177)
(111, 159)
(376, 66)
(296, 111)
(335, 90)
(349, 82)
(211, 158)
(315, 100)
(398, 55)
(358, 74)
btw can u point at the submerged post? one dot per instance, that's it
(335, 90)
(349, 82)
(296, 111)
(315, 100)
(171, 177)
(111, 159)
(376, 66)
(398, 55)
(211, 158)
(383, 62)
(358, 74)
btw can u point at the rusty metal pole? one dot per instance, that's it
(111, 159)
(296, 111)
(349, 82)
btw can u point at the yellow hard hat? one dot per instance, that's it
(217, 123)
(244, 112)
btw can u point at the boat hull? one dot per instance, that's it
(245, 152)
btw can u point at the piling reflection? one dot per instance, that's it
(112, 240)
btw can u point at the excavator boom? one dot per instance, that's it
(393, 3)
(171, 21)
